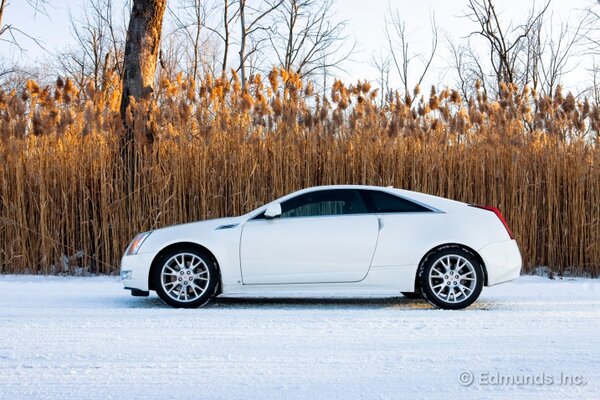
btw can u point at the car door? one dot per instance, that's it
(320, 237)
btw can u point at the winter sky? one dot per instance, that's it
(365, 23)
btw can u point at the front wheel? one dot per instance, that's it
(185, 278)
(451, 278)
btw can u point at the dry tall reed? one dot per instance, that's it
(218, 151)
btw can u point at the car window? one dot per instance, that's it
(323, 202)
(382, 202)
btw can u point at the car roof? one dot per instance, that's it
(431, 201)
(326, 187)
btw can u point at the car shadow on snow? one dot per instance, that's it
(316, 303)
(258, 303)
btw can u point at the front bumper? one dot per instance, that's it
(135, 270)
(502, 261)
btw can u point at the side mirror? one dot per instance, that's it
(273, 210)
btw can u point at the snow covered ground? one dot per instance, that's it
(82, 338)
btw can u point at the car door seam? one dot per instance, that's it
(374, 248)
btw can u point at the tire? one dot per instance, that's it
(451, 278)
(412, 295)
(185, 278)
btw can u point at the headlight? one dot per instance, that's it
(137, 243)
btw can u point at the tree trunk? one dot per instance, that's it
(141, 53)
(139, 66)
(225, 37)
(243, 43)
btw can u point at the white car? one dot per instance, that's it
(330, 240)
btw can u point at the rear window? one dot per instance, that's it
(381, 202)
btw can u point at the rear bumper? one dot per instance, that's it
(135, 270)
(502, 261)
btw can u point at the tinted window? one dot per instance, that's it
(381, 202)
(323, 202)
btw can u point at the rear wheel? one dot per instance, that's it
(185, 278)
(451, 278)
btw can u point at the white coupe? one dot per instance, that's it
(330, 240)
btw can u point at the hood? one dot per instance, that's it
(207, 224)
(200, 231)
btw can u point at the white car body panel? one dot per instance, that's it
(373, 253)
(502, 261)
(331, 249)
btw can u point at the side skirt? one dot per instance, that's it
(389, 280)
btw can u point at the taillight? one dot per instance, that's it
(499, 215)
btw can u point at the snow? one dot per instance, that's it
(86, 338)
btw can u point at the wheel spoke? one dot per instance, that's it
(450, 292)
(193, 284)
(172, 289)
(446, 264)
(180, 263)
(168, 267)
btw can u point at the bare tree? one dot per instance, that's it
(557, 51)
(190, 21)
(171, 57)
(470, 73)
(460, 63)
(533, 55)
(142, 46)
(141, 52)
(226, 21)
(506, 42)
(594, 90)
(592, 43)
(223, 30)
(98, 46)
(116, 40)
(305, 39)
(251, 23)
(402, 56)
(14, 75)
(383, 64)
(9, 32)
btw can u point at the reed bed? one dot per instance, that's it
(208, 149)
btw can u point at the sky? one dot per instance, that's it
(365, 23)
